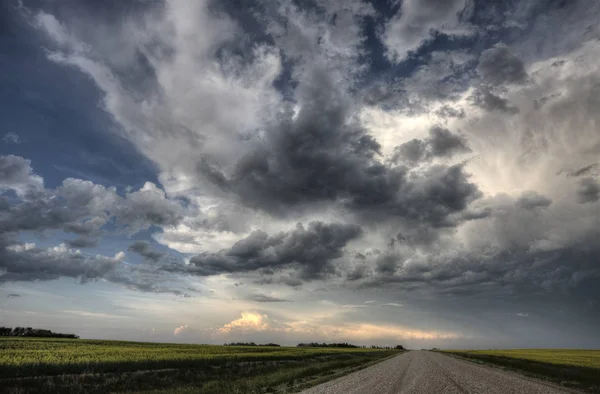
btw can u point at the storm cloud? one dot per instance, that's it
(484, 98)
(439, 155)
(144, 249)
(588, 191)
(441, 143)
(310, 251)
(500, 66)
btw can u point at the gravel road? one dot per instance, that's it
(428, 372)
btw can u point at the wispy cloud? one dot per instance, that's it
(11, 138)
(259, 297)
(94, 315)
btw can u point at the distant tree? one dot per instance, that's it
(399, 347)
(33, 332)
(316, 344)
(250, 344)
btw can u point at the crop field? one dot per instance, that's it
(570, 367)
(577, 358)
(67, 365)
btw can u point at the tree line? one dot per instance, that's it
(250, 344)
(347, 345)
(316, 344)
(33, 332)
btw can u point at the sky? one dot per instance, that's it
(416, 172)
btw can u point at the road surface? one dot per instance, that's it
(422, 372)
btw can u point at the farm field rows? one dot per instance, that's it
(48, 365)
(578, 358)
(569, 367)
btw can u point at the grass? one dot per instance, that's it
(579, 369)
(45, 365)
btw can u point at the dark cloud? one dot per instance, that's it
(587, 170)
(360, 271)
(544, 100)
(522, 250)
(321, 154)
(475, 214)
(532, 200)
(13, 295)
(385, 94)
(430, 199)
(442, 143)
(16, 173)
(284, 280)
(447, 111)
(82, 242)
(148, 280)
(588, 191)
(144, 249)
(146, 207)
(412, 151)
(309, 250)
(499, 66)
(445, 144)
(86, 226)
(14, 170)
(386, 264)
(265, 298)
(484, 98)
(78, 206)
(42, 213)
(517, 275)
(26, 262)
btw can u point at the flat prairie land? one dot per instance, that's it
(575, 368)
(572, 357)
(75, 365)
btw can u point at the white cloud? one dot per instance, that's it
(343, 331)
(250, 321)
(95, 315)
(12, 138)
(180, 329)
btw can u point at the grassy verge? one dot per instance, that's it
(282, 380)
(568, 372)
(50, 366)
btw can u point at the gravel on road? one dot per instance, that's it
(425, 372)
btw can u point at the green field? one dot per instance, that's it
(66, 365)
(577, 358)
(569, 367)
